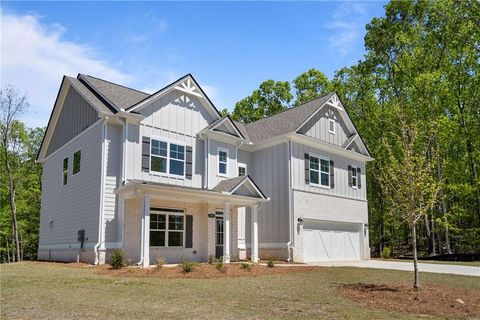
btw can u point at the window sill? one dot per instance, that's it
(165, 175)
(222, 175)
(319, 186)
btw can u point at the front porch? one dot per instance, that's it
(169, 222)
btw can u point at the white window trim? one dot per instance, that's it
(330, 121)
(218, 162)
(167, 214)
(73, 162)
(242, 165)
(356, 175)
(320, 158)
(63, 171)
(168, 142)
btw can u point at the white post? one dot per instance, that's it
(254, 229)
(145, 250)
(227, 233)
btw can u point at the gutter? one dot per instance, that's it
(102, 190)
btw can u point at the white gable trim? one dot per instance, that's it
(65, 86)
(336, 103)
(187, 85)
(251, 185)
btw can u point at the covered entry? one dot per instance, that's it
(331, 241)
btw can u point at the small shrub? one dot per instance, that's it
(118, 259)
(219, 265)
(187, 265)
(386, 253)
(270, 262)
(211, 258)
(246, 266)
(160, 262)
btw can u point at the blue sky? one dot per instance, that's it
(229, 47)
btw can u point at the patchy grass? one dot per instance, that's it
(61, 291)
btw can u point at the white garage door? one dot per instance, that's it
(331, 241)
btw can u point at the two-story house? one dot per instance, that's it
(165, 175)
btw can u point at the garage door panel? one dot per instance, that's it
(325, 241)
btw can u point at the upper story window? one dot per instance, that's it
(167, 228)
(167, 157)
(222, 162)
(77, 159)
(331, 125)
(354, 177)
(319, 171)
(65, 171)
(242, 169)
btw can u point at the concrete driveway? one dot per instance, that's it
(405, 266)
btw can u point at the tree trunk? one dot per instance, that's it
(416, 283)
(431, 245)
(443, 206)
(8, 250)
(434, 249)
(13, 206)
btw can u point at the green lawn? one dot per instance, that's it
(457, 263)
(56, 291)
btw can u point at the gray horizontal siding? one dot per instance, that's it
(74, 206)
(76, 115)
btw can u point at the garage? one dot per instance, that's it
(331, 241)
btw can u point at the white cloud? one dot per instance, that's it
(347, 24)
(34, 57)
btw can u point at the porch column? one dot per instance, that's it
(227, 233)
(254, 238)
(145, 245)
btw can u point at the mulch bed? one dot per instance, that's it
(201, 271)
(429, 300)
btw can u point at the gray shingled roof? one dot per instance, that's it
(228, 185)
(285, 121)
(83, 90)
(121, 96)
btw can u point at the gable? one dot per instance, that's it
(246, 190)
(318, 127)
(75, 116)
(178, 112)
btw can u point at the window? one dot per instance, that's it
(242, 169)
(319, 171)
(166, 228)
(354, 177)
(167, 158)
(65, 171)
(77, 157)
(222, 162)
(331, 126)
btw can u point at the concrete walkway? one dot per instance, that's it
(405, 266)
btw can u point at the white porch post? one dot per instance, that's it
(145, 245)
(227, 233)
(254, 238)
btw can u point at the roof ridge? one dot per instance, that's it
(289, 109)
(116, 84)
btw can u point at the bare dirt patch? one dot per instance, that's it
(201, 271)
(429, 300)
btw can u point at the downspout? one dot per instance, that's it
(102, 190)
(121, 197)
(290, 211)
(205, 169)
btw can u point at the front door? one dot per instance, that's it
(218, 236)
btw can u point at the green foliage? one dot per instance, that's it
(118, 259)
(270, 98)
(211, 259)
(219, 265)
(386, 253)
(187, 265)
(246, 266)
(160, 262)
(270, 262)
(310, 85)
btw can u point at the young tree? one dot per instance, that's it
(11, 106)
(409, 179)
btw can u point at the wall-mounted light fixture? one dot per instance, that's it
(300, 220)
